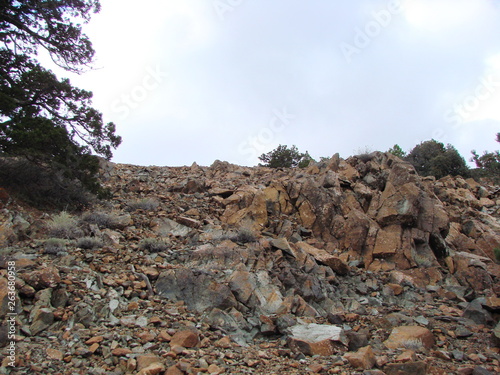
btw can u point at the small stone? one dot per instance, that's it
(93, 348)
(119, 352)
(141, 321)
(152, 369)
(406, 356)
(462, 332)
(215, 370)
(164, 336)
(187, 339)
(224, 343)
(364, 358)
(55, 354)
(173, 370)
(144, 361)
(95, 339)
(396, 288)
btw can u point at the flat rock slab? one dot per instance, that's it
(316, 339)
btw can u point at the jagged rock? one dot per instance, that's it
(186, 339)
(48, 277)
(322, 256)
(165, 227)
(316, 339)
(200, 291)
(42, 319)
(363, 359)
(477, 313)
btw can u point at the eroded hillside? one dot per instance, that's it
(347, 266)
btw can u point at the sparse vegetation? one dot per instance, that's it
(396, 150)
(413, 344)
(146, 204)
(41, 187)
(488, 164)
(496, 251)
(102, 219)
(64, 225)
(89, 243)
(153, 245)
(54, 246)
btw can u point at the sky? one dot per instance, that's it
(204, 80)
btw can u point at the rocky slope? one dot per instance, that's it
(347, 267)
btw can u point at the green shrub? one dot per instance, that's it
(496, 251)
(41, 187)
(153, 245)
(54, 246)
(89, 243)
(63, 225)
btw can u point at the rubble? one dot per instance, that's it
(346, 266)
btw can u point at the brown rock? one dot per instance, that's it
(95, 339)
(41, 279)
(174, 370)
(224, 343)
(146, 360)
(215, 370)
(397, 288)
(119, 352)
(363, 359)
(322, 256)
(55, 354)
(388, 241)
(410, 337)
(413, 368)
(186, 339)
(399, 205)
(152, 369)
(316, 339)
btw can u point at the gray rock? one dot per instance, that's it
(477, 313)
(43, 319)
(200, 291)
(481, 371)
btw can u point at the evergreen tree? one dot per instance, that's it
(432, 158)
(488, 163)
(284, 157)
(42, 118)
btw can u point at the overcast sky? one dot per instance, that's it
(200, 80)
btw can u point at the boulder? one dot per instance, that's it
(316, 339)
(410, 337)
(363, 359)
(198, 289)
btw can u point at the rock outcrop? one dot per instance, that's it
(229, 269)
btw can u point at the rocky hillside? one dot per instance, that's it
(354, 266)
